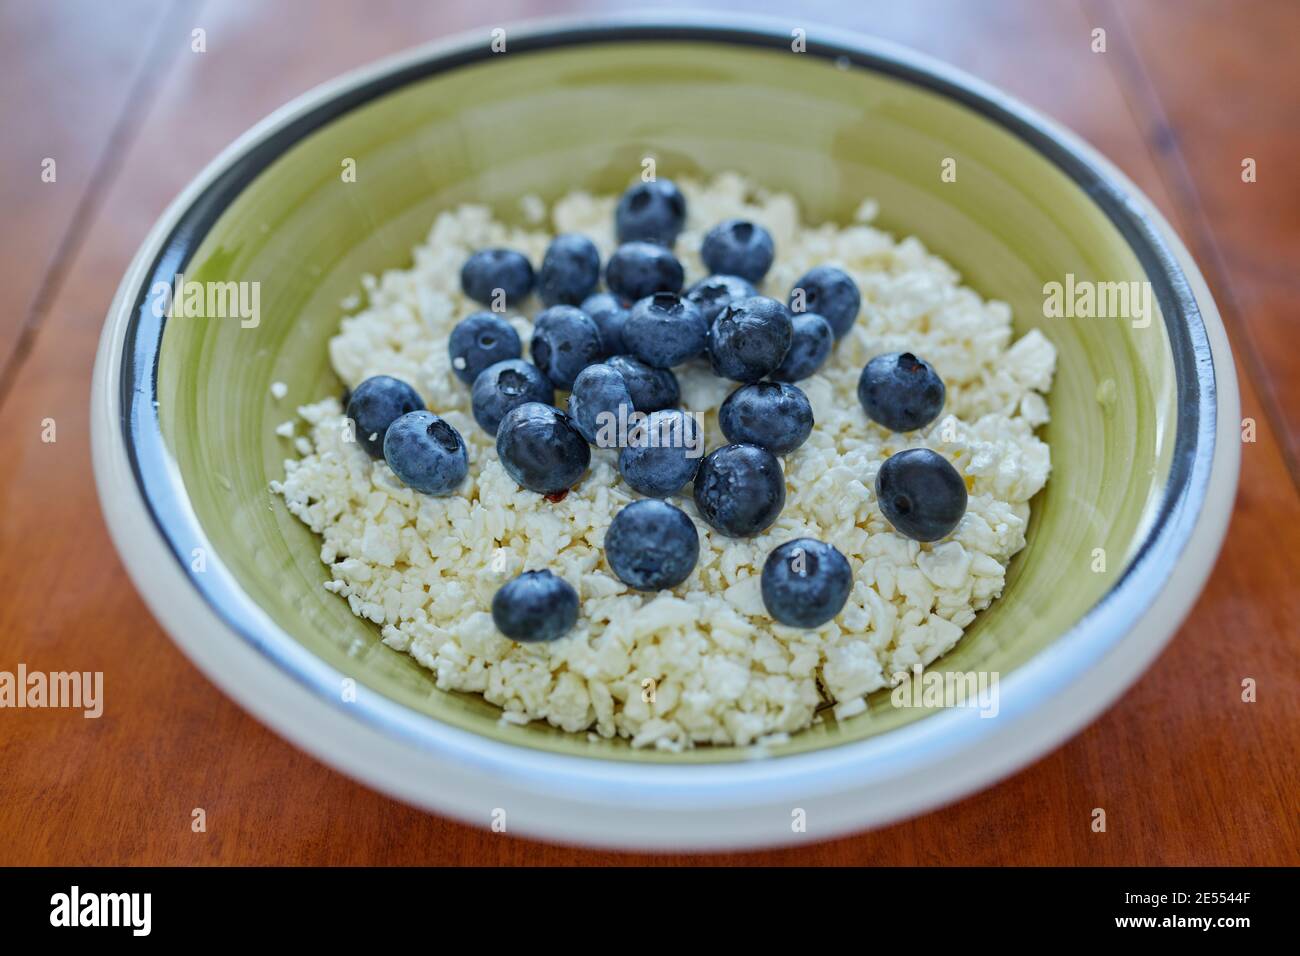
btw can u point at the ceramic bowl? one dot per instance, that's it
(1143, 429)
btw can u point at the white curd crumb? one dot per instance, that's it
(850, 708)
(533, 208)
(867, 211)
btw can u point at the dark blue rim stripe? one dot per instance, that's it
(161, 485)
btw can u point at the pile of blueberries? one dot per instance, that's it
(613, 351)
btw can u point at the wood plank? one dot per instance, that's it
(1206, 123)
(70, 75)
(1186, 771)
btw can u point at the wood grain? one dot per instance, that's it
(1188, 773)
(76, 127)
(1204, 124)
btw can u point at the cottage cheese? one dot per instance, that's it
(703, 663)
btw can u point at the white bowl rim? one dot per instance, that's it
(699, 806)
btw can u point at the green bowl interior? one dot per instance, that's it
(548, 122)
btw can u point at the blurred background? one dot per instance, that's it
(118, 96)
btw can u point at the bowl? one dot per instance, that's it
(1143, 429)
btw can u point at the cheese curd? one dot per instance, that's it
(704, 663)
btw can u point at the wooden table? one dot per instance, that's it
(115, 93)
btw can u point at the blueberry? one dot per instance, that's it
(740, 489)
(662, 454)
(832, 294)
(426, 453)
(921, 494)
(749, 338)
(773, 415)
(738, 247)
(639, 269)
(809, 349)
(651, 388)
(375, 404)
(504, 386)
(805, 582)
(651, 212)
(599, 391)
(651, 546)
(569, 270)
(539, 448)
(901, 391)
(713, 293)
(565, 341)
(536, 606)
(490, 269)
(664, 330)
(610, 314)
(481, 340)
